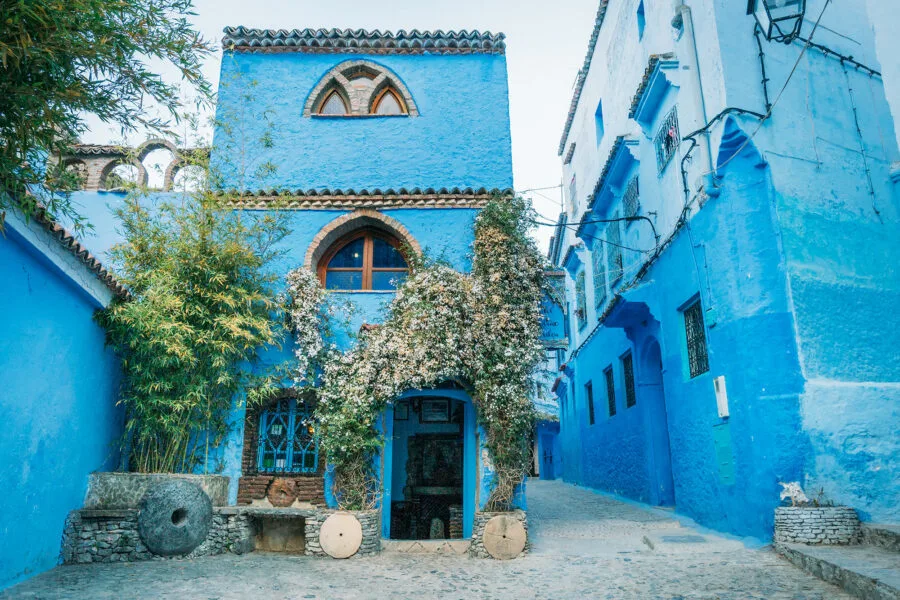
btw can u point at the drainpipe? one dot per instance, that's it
(683, 14)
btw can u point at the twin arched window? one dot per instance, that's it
(366, 259)
(386, 103)
(360, 88)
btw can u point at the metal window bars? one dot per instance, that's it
(698, 359)
(287, 441)
(631, 201)
(667, 140)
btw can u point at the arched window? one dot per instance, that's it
(287, 438)
(388, 103)
(364, 260)
(333, 104)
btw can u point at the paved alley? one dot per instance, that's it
(584, 545)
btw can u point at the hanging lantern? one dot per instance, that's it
(780, 20)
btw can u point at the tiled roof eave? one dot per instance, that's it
(71, 244)
(601, 181)
(363, 41)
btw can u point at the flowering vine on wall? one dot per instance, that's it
(480, 329)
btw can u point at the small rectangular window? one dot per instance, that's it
(610, 390)
(628, 375)
(641, 20)
(667, 140)
(695, 334)
(581, 303)
(598, 120)
(589, 397)
(614, 251)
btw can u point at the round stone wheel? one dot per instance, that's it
(174, 517)
(282, 493)
(340, 535)
(504, 537)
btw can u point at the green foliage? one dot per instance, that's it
(203, 305)
(480, 329)
(63, 59)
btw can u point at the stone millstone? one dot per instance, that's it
(340, 535)
(174, 517)
(504, 537)
(282, 492)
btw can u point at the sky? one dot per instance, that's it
(546, 44)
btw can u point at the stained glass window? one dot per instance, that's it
(287, 438)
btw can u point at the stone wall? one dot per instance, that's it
(371, 532)
(112, 536)
(477, 548)
(115, 490)
(816, 525)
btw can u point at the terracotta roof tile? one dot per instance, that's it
(364, 41)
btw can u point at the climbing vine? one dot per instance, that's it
(481, 330)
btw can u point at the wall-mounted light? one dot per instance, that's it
(780, 20)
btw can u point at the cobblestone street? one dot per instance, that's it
(585, 545)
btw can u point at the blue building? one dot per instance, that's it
(368, 140)
(731, 235)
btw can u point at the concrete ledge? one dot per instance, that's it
(453, 547)
(866, 572)
(882, 536)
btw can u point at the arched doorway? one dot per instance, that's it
(652, 395)
(428, 465)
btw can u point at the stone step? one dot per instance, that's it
(458, 547)
(867, 572)
(882, 535)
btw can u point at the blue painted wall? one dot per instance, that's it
(460, 138)
(792, 250)
(57, 405)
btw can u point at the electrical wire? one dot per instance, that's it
(768, 114)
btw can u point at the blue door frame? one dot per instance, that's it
(470, 454)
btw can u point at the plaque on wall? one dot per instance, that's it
(435, 410)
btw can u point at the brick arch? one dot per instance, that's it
(359, 101)
(358, 219)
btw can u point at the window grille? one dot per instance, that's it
(599, 276)
(614, 251)
(581, 303)
(667, 140)
(628, 373)
(698, 360)
(631, 200)
(589, 395)
(610, 390)
(287, 439)
(573, 198)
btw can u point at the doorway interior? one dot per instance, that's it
(427, 468)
